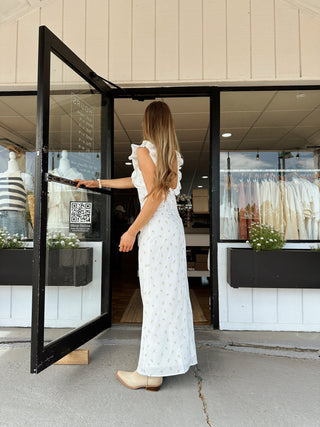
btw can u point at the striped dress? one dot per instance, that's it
(13, 195)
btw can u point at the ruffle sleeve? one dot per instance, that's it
(136, 175)
(180, 163)
(134, 154)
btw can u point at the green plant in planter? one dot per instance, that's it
(315, 248)
(10, 242)
(265, 238)
(62, 241)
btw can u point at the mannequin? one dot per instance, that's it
(61, 195)
(64, 165)
(14, 185)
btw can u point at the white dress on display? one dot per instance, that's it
(167, 339)
(60, 196)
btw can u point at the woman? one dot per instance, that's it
(167, 339)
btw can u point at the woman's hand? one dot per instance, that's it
(127, 241)
(89, 184)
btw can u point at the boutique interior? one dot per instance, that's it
(269, 172)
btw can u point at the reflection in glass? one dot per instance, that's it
(270, 164)
(74, 235)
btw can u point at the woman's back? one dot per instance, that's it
(138, 181)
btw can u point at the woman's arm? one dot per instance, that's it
(110, 183)
(150, 206)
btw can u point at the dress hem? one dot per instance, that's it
(169, 374)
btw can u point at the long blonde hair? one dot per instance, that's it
(158, 128)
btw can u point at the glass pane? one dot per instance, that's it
(17, 154)
(270, 166)
(74, 232)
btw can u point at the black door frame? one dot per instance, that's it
(42, 355)
(213, 94)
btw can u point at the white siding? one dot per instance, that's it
(51, 16)
(287, 34)
(167, 40)
(27, 48)
(74, 33)
(262, 40)
(64, 306)
(190, 35)
(120, 39)
(238, 40)
(310, 42)
(143, 40)
(8, 50)
(214, 40)
(263, 308)
(171, 41)
(97, 28)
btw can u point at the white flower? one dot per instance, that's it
(271, 240)
(272, 231)
(247, 241)
(62, 243)
(258, 244)
(261, 238)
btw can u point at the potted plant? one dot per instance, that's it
(15, 260)
(67, 263)
(267, 265)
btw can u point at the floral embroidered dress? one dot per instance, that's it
(167, 339)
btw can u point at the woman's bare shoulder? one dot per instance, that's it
(144, 158)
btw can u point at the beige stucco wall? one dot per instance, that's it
(171, 41)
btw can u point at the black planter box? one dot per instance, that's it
(66, 267)
(286, 268)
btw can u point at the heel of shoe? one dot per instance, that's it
(153, 388)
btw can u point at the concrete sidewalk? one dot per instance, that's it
(236, 383)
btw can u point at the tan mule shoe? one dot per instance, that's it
(134, 380)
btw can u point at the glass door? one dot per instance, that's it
(72, 228)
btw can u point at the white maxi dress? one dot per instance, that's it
(167, 338)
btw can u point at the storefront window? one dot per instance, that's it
(270, 151)
(17, 156)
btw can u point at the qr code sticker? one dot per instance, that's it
(80, 212)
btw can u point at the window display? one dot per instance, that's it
(14, 187)
(290, 205)
(269, 163)
(60, 196)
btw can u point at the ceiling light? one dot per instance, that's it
(227, 134)
(204, 176)
(200, 186)
(128, 163)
